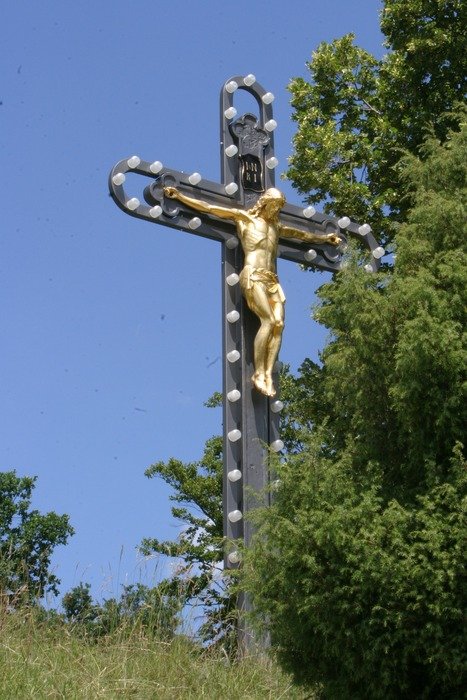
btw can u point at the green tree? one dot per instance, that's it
(359, 565)
(199, 551)
(78, 605)
(153, 611)
(197, 488)
(27, 541)
(356, 115)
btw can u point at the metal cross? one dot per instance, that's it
(250, 419)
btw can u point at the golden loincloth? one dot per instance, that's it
(249, 275)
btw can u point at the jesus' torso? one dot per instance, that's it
(259, 240)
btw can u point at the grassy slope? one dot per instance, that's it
(39, 661)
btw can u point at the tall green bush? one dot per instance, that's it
(359, 565)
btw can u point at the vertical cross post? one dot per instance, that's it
(248, 162)
(250, 418)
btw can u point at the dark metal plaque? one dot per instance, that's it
(252, 140)
(252, 173)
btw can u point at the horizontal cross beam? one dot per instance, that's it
(158, 209)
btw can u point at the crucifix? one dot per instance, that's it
(255, 226)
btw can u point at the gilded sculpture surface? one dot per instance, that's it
(259, 230)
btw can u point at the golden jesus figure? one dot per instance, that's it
(259, 230)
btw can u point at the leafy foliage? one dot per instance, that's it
(27, 541)
(78, 605)
(154, 610)
(359, 566)
(339, 120)
(357, 115)
(363, 598)
(199, 578)
(197, 488)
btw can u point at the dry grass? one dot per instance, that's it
(43, 660)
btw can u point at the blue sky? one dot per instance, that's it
(110, 330)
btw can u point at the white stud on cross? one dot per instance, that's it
(156, 167)
(364, 229)
(133, 162)
(309, 211)
(234, 395)
(133, 203)
(194, 223)
(234, 435)
(118, 179)
(155, 212)
(230, 113)
(233, 316)
(231, 151)
(277, 445)
(234, 557)
(378, 252)
(234, 475)
(344, 222)
(233, 356)
(249, 79)
(235, 515)
(194, 178)
(231, 188)
(232, 279)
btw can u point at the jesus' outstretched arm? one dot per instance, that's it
(287, 232)
(206, 208)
